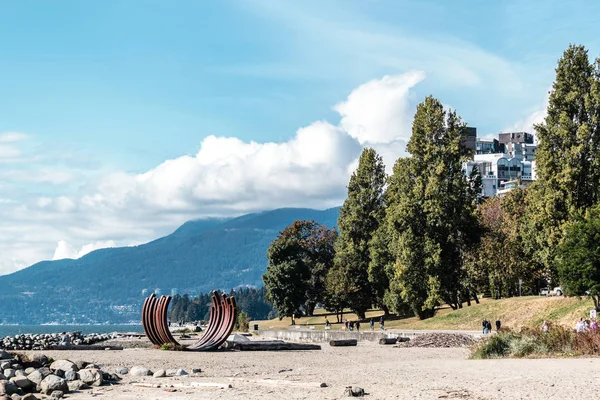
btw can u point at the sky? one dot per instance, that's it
(120, 120)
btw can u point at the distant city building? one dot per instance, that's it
(504, 163)
(470, 139)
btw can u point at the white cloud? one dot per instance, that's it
(65, 250)
(226, 177)
(9, 137)
(537, 116)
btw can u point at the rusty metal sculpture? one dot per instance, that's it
(222, 319)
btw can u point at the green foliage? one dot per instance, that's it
(567, 157)
(433, 213)
(242, 322)
(579, 257)
(556, 341)
(360, 217)
(249, 300)
(298, 262)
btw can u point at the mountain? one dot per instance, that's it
(109, 285)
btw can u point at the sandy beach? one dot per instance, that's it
(384, 372)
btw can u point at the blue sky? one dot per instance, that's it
(107, 91)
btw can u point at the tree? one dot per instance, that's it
(434, 215)
(299, 259)
(579, 257)
(567, 157)
(360, 216)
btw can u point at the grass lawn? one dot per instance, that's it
(513, 312)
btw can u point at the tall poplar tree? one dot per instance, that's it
(568, 156)
(360, 216)
(434, 216)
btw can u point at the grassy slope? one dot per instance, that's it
(513, 312)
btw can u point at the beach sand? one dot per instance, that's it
(384, 372)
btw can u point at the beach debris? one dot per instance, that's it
(439, 339)
(388, 340)
(223, 312)
(196, 370)
(354, 392)
(343, 342)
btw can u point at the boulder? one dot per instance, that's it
(81, 364)
(52, 383)
(91, 376)
(7, 388)
(29, 396)
(38, 375)
(24, 383)
(9, 373)
(57, 394)
(4, 355)
(70, 376)
(121, 371)
(64, 365)
(139, 371)
(29, 370)
(160, 373)
(77, 385)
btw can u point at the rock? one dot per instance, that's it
(70, 375)
(2, 377)
(92, 366)
(57, 394)
(52, 383)
(60, 373)
(237, 338)
(29, 396)
(4, 365)
(81, 364)
(64, 365)
(91, 376)
(20, 372)
(9, 373)
(160, 373)
(7, 388)
(140, 371)
(323, 384)
(38, 375)
(78, 385)
(39, 359)
(23, 383)
(110, 377)
(4, 355)
(196, 370)
(122, 371)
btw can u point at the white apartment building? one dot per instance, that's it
(508, 161)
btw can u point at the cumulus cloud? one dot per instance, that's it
(10, 137)
(537, 116)
(226, 177)
(65, 250)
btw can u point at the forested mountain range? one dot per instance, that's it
(109, 285)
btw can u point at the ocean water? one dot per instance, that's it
(11, 330)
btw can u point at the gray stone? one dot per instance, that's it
(20, 372)
(23, 383)
(9, 373)
(64, 365)
(40, 359)
(2, 377)
(16, 396)
(159, 374)
(70, 376)
(30, 396)
(121, 371)
(91, 376)
(81, 364)
(196, 370)
(51, 383)
(7, 388)
(57, 394)
(92, 366)
(139, 371)
(38, 375)
(29, 370)
(77, 385)
(4, 365)
(4, 355)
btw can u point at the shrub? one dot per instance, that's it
(242, 322)
(493, 347)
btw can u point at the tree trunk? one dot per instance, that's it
(386, 310)
(343, 342)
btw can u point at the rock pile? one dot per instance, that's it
(25, 377)
(439, 340)
(43, 341)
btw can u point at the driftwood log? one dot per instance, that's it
(388, 340)
(270, 345)
(83, 347)
(343, 342)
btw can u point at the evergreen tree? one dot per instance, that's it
(434, 214)
(360, 216)
(568, 156)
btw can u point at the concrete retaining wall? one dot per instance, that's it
(314, 336)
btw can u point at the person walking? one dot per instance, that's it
(498, 325)
(357, 326)
(483, 327)
(381, 323)
(372, 324)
